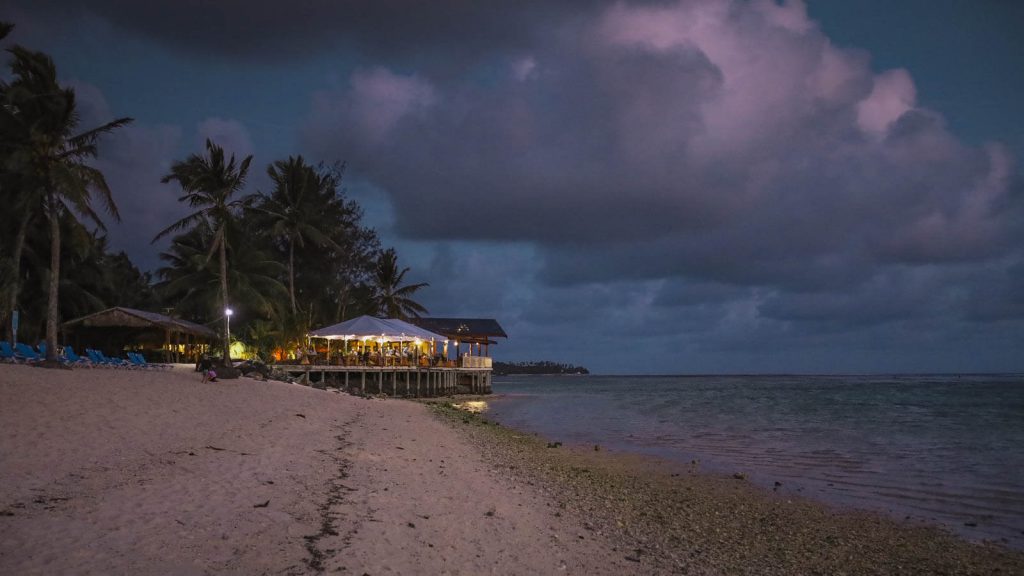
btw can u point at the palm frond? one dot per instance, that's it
(180, 225)
(88, 138)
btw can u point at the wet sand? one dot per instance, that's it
(673, 518)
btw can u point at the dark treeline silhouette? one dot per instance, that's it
(285, 260)
(541, 367)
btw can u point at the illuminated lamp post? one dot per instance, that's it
(228, 312)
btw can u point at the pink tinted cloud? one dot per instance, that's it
(381, 98)
(730, 141)
(776, 66)
(892, 95)
(969, 228)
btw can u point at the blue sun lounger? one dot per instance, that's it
(7, 353)
(99, 359)
(26, 353)
(42, 354)
(140, 361)
(74, 358)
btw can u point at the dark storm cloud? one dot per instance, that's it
(995, 294)
(721, 142)
(388, 30)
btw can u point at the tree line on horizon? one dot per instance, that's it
(287, 259)
(537, 367)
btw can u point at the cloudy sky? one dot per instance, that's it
(660, 186)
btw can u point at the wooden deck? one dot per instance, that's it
(407, 381)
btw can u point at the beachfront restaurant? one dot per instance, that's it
(477, 334)
(391, 356)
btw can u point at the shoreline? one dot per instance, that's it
(681, 519)
(917, 448)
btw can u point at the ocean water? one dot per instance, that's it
(943, 449)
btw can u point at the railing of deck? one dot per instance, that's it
(468, 361)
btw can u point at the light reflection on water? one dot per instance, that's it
(473, 406)
(942, 448)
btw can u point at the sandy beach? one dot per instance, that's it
(108, 471)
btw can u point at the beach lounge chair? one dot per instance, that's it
(74, 358)
(134, 359)
(7, 353)
(60, 357)
(99, 358)
(26, 353)
(140, 361)
(116, 360)
(91, 354)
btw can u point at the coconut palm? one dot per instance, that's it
(24, 103)
(391, 298)
(46, 162)
(191, 285)
(209, 182)
(302, 195)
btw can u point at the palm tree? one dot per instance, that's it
(39, 120)
(390, 297)
(189, 283)
(24, 103)
(301, 195)
(209, 182)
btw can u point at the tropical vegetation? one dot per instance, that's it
(289, 258)
(390, 297)
(45, 167)
(209, 183)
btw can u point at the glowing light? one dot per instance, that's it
(473, 406)
(238, 350)
(228, 311)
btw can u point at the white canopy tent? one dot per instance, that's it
(415, 331)
(381, 329)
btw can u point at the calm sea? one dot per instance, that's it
(944, 449)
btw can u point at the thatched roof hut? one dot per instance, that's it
(115, 329)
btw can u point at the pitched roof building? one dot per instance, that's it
(468, 330)
(115, 328)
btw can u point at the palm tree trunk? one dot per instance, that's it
(291, 273)
(342, 303)
(19, 246)
(224, 296)
(53, 302)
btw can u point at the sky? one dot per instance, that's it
(657, 186)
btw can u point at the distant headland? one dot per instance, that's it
(541, 367)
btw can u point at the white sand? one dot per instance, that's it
(105, 471)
